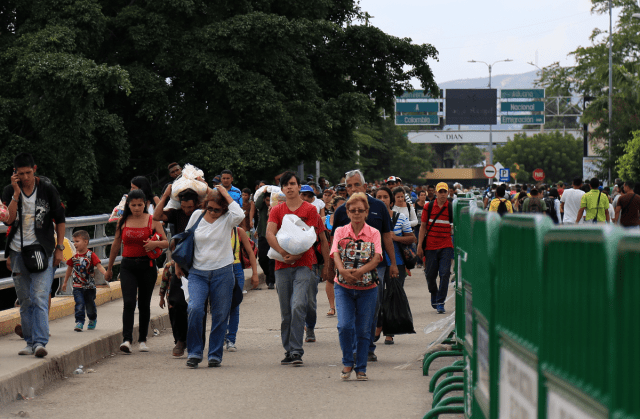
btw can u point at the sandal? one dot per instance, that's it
(332, 312)
(361, 376)
(388, 341)
(344, 375)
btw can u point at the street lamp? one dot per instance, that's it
(491, 126)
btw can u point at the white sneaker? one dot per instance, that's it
(40, 351)
(143, 347)
(231, 347)
(28, 350)
(126, 347)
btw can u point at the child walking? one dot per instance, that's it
(83, 265)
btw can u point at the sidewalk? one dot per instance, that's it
(69, 349)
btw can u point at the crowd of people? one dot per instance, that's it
(365, 236)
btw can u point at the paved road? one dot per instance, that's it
(251, 382)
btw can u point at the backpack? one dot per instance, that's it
(535, 205)
(521, 204)
(502, 207)
(551, 209)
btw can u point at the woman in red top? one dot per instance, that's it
(138, 272)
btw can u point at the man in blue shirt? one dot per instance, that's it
(226, 177)
(379, 219)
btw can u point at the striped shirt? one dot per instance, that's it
(403, 225)
(440, 235)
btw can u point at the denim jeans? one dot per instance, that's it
(312, 305)
(293, 292)
(356, 309)
(438, 262)
(234, 317)
(33, 291)
(85, 300)
(217, 286)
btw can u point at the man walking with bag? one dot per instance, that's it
(34, 205)
(436, 246)
(595, 203)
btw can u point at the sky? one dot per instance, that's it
(463, 30)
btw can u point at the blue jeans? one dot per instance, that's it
(356, 309)
(234, 317)
(438, 262)
(312, 306)
(293, 292)
(217, 286)
(33, 295)
(85, 300)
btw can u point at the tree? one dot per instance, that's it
(465, 155)
(102, 90)
(560, 156)
(629, 164)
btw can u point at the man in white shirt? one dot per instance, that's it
(570, 202)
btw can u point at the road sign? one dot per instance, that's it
(538, 175)
(471, 106)
(522, 106)
(416, 94)
(489, 171)
(498, 166)
(417, 107)
(504, 175)
(522, 119)
(417, 120)
(522, 93)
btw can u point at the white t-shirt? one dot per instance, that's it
(212, 240)
(411, 216)
(29, 222)
(571, 198)
(319, 204)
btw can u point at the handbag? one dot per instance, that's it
(356, 253)
(33, 256)
(408, 252)
(183, 252)
(395, 310)
(154, 237)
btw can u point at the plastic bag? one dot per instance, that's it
(395, 311)
(188, 181)
(272, 254)
(295, 236)
(261, 190)
(277, 196)
(185, 288)
(116, 214)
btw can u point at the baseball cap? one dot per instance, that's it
(306, 188)
(217, 179)
(340, 188)
(391, 179)
(442, 185)
(310, 177)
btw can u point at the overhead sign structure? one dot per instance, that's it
(417, 120)
(504, 175)
(490, 171)
(522, 119)
(472, 137)
(405, 107)
(471, 106)
(416, 94)
(538, 175)
(522, 106)
(522, 93)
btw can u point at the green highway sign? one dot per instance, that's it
(416, 94)
(417, 107)
(522, 106)
(522, 93)
(417, 120)
(522, 119)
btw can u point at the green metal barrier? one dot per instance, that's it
(481, 297)
(518, 292)
(625, 359)
(578, 304)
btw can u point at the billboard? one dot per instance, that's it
(471, 106)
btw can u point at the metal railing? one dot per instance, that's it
(97, 244)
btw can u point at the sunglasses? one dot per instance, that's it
(357, 211)
(214, 210)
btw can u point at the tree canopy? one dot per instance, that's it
(100, 91)
(560, 156)
(629, 164)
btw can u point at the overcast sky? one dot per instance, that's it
(463, 30)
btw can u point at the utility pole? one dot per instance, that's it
(610, 85)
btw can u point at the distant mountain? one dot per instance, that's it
(505, 81)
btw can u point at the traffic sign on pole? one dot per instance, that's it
(490, 171)
(504, 175)
(417, 119)
(522, 93)
(522, 119)
(417, 106)
(538, 175)
(522, 106)
(416, 94)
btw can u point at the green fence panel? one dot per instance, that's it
(518, 292)
(462, 246)
(479, 295)
(626, 345)
(577, 307)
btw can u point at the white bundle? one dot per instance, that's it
(295, 237)
(188, 180)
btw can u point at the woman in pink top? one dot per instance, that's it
(356, 250)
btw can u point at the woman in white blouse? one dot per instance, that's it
(211, 275)
(401, 206)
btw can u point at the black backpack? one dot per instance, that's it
(551, 209)
(535, 205)
(502, 207)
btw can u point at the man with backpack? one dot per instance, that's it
(436, 246)
(499, 204)
(553, 206)
(534, 204)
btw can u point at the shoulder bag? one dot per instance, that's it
(156, 252)
(408, 252)
(183, 253)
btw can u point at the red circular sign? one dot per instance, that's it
(538, 175)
